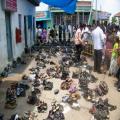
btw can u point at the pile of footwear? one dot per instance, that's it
(29, 116)
(56, 113)
(102, 89)
(65, 85)
(85, 78)
(10, 67)
(10, 99)
(21, 89)
(32, 99)
(65, 73)
(47, 85)
(101, 108)
(42, 107)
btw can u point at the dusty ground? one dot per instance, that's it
(48, 96)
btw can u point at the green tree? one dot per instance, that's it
(114, 20)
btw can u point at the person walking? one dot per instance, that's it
(98, 41)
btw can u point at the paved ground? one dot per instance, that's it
(48, 96)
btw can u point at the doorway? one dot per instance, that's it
(25, 31)
(8, 35)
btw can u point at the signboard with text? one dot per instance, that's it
(10, 5)
(43, 15)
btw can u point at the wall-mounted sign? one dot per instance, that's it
(10, 5)
(43, 15)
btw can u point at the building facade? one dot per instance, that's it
(83, 14)
(43, 19)
(17, 31)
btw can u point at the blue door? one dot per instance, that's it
(8, 36)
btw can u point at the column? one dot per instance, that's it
(78, 19)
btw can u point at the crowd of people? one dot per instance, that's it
(106, 41)
(105, 38)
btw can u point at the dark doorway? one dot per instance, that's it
(8, 36)
(25, 31)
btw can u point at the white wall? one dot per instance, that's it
(24, 8)
(42, 7)
(3, 41)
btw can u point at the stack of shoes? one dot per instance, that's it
(32, 99)
(65, 85)
(36, 83)
(75, 75)
(42, 107)
(29, 116)
(10, 99)
(36, 91)
(83, 84)
(15, 117)
(101, 109)
(20, 61)
(21, 89)
(41, 65)
(47, 85)
(74, 97)
(102, 89)
(14, 64)
(56, 113)
(71, 98)
(6, 71)
(51, 72)
(88, 95)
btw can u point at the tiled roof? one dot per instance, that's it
(117, 15)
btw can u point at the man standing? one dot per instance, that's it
(98, 39)
(78, 43)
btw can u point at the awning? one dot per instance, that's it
(68, 6)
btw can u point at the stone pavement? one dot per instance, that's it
(48, 97)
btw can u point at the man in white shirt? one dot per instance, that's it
(98, 37)
(78, 43)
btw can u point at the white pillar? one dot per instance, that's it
(78, 19)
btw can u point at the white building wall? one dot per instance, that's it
(3, 41)
(24, 8)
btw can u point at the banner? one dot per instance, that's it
(68, 6)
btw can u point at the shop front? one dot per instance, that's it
(81, 15)
(43, 19)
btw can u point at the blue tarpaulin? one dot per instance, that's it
(68, 6)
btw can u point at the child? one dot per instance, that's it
(113, 65)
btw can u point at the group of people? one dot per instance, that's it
(106, 40)
(41, 35)
(58, 33)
